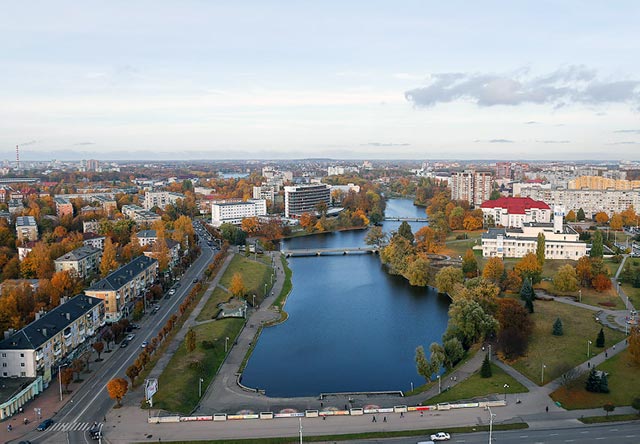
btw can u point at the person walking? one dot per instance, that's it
(373, 419)
(547, 409)
(384, 419)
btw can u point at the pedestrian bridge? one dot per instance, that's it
(330, 251)
(406, 219)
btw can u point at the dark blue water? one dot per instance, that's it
(351, 326)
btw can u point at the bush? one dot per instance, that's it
(208, 345)
(557, 328)
(485, 370)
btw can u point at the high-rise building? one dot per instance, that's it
(471, 186)
(304, 198)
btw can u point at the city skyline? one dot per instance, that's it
(414, 80)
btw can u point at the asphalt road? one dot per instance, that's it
(91, 401)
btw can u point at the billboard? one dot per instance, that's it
(150, 387)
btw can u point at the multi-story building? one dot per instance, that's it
(561, 241)
(90, 226)
(602, 183)
(93, 240)
(264, 192)
(147, 237)
(160, 199)
(5, 192)
(120, 288)
(340, 170)
(503, 170)
(44, 343)
(108, 203)
(15, 206)
(591, 201)
(304, 198)
(26, 228)
(92, 165)
(64, 207)
(174, 252)
(139, 214)
(512, 212)
(82, 262)
(232, 212)
(471, 186)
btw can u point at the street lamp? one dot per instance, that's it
(265, 289)
(60, 378)
(226, 344)
(542, 375)
(439, 385)
(300, 430)
(412, 386)
(491, 416)
(506, 386)
(580, 294)
(200, 381)
(588, 348)
(254, 301)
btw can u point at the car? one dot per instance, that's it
(144, 344)
(124, 343)
(129, 328)
(440, 436)
(172, 291)
(135, 326)
(130, 337)
(44, 425)
(195, 281)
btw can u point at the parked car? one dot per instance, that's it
(44, 425)
(129, 328)
(130, 337)
(135, 326)
(172, 292)
(124, 343)
(440, 436)
(195, 281)
(144, 344)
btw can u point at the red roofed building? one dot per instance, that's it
(515, 211)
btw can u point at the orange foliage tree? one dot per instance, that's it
(601, 217)
(237, 287)
(529, 267)
(493, 270)
(601, 282)
(117, 388)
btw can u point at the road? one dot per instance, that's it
(91, 402)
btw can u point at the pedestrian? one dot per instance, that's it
(588, 364)
(401, 415)
(421, 413)
(614, 347)
(606, 355)
(547, 409)
(104, 419)
(384, 419)
(324, 418)
(373, 419)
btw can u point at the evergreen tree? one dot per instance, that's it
(404, 230)
(604, 384)
(581, 216)
(540, 247)
(526, 292)
(557, 328)
(485, 370)
(529, 305)
(600, 339)
(597, 250)
(593, 382)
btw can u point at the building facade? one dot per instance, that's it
(160, 199)
(139, 214)
(561, 241)
(44, 343)
(232, 212)
(82, 262)
(64, 207)
(471, 186)
(514, 212)
(264, 192)
(120, 288)
(602, 183)
(304, 198)
(26, 228)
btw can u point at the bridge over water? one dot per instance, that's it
(330, 251)
(406, 219)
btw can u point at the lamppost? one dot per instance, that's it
(580, 294)
(300, 419)
(439, 385)
(412, 386)
(200, 381)
(60, 378)
(491, 416)
(588, 348)
(226, 344)
(489, 352)
(254, 301)
(265, 289)
(506, 386)
(542, 375)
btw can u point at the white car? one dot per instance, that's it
(441, 436)
(130, 337)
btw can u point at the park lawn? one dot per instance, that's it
(470, 235)
(455, 248)
(254, 275)
(210, 309)
(606, 300)
(612, 266)
(559, 353)
(624, 386)
(178, 384)
(633, 293)
(477, 386)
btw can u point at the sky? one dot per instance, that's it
(292, 79)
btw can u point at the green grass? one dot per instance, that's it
(210, 309)
(610, 418)
(633, 293)
(477, 386)
(624, 386)
(254, 275)
(178, 384)
(287, 286)
(559, 353)
(606, 300)
(611, 266)
(364, 435)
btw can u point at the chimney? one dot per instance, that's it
(44, 332)
(68, 316)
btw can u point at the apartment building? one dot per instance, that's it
(561, 241)
(82, 262)
(232, 212)
(90, 226)
(15, 206)
(602, 183)
(64, 207)
(53, 336)
(107, 203)
(160, 199)
(304, 198)
(174, 252)
(514, 212)
(591, 201)
(147, 237)
(471, 186)
(26, 228)
(93, 240)
(264, 192)
(122, 286)
(139, 214)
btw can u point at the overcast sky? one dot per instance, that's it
(345, 79)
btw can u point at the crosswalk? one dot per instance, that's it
(72, 426)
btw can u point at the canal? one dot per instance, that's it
(352, 327)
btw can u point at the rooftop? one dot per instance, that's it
(123, 275)
(25, 220)
(515, 205)
(79, 254)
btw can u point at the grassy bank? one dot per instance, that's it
(254, 276)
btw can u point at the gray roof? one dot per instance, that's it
(22, 221)
(124, 274)
(41, 330)
(79, 254)
(146, 233)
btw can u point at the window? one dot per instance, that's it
(22, 355)
(22, 364)
(4, 374)
(4, 355)
(4, 364)
(23, 374)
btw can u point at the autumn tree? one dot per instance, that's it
(307, 221)
(472, 223)
(132, 372)
(601, 218)
(250, 225)
(515, 328)
(77, 366)
(108, 262)
(98, 346)
(616, 222)
(469, 263)
(456, 218)
(629, 216)
(160, 251)
(571, 216)
(38, 263)
(529, 268)
(601, 282)
(375, 236)
(428, 240)
(395, 255)
(493, 270)
(117, 388)
(447, 278)
(190, 340)
(566, 279)
(634, 345)
(540, 247)
(237, 287)
(468, 322)
(583, 271)
(66, 377)
(512, 281)
(404, 230)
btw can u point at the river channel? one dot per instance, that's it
(352, 327)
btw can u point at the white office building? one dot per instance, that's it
(232, 212)
(304, 198)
